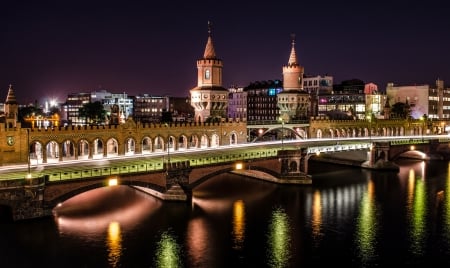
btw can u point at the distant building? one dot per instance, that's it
(181, 109)
(415, 96)
(72, 107)
(346, 101)
(315, 86)
(439, 101)
(262, 100)
(237, 104)
(149, 109)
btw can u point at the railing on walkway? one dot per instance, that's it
(159, 166)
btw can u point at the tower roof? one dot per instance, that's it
(210, 53)
(293, 56)
(11, 98)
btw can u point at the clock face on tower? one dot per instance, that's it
(10, 140)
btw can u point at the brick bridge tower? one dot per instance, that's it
(209, 98)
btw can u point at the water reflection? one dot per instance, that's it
(197, 241)
(366, 228)
(316, 218)
(279, 238)
(168, 252)
(418, 221)
(417, 207)
(446, 207)
(238, 224)
(92, 212)
(114, 244)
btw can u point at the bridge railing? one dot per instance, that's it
(159, 166)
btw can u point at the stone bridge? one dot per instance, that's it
(37, 197)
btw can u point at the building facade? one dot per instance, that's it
(237, 104)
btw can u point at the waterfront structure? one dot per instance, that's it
(293, 101)
(209, 98)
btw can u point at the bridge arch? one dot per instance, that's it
(146, 145)
(204, 141)
(194, 141)
(68, 150)
(158, 144)
(96, 185)
(233, 138)
(51, 151)
(83, 149)
(112, 147)
(215, 140)
(130, 145)
(182, 143)
(97, 148)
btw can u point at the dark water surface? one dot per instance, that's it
(349, 216)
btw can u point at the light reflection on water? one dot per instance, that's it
(279, 239)
(366, 230)
(114, 244)
(353, 217)
(168, 251)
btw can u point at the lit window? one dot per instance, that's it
(207, 74)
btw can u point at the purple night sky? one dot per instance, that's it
(52, 49)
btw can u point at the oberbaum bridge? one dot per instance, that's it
(282, 160)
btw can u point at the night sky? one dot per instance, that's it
(52, 49)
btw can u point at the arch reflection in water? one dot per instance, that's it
(279, 239)
(168, 252)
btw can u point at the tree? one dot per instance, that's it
(93, 113)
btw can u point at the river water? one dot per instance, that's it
(349, 216)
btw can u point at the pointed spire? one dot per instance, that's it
(209, 49)
(293, 56)
(11, 98)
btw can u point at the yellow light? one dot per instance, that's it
(318, 152)
(112, 182)
(413, 148)
(239, 166)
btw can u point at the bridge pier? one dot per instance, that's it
(177, 181)
(294, 165)
(378, 157)
(24, 198)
